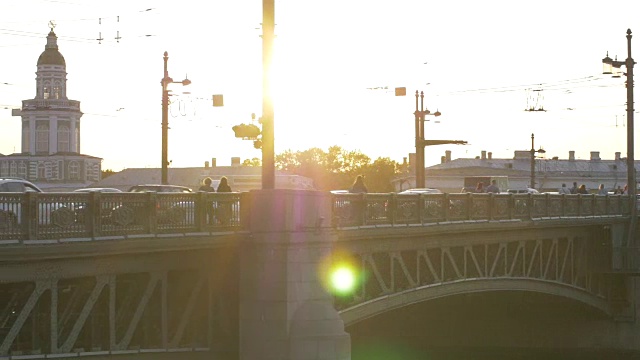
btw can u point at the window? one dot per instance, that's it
(63, 138)
(74, 171)
(4, 168)
(25, 138)
(77, 135)
(41, 172)
(46, 92)
(56, 92)
(13, 169)
(22, 170)
(42, 138)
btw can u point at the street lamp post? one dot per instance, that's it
(165, 81)
(421, 143)
(420, 115)
(533, 161)
(607, 66)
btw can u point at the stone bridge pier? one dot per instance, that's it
(285, 311)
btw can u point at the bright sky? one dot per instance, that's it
(479, 63)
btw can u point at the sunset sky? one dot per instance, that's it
(480, 64)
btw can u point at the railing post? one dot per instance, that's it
(29, 216)
(468, 205)
(446, 206)
(547, 202)
(490, 207)
(393, 208)
(92, 214)
(579, 204)
(246, 202)
(201, 210)
(151, 204)
(420, 208)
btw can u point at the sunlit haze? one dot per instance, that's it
(481, 64)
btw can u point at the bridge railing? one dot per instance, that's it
(43, 216)
(380, 209)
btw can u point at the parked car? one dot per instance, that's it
(11, 205)
(169, 210)
(522, 191)
(102, 190)
(160, 188)
(106, 207)
(421, 191)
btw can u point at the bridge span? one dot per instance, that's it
(245, 276)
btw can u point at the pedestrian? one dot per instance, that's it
(619, 190)
(224, 185)
(574, 188)
(358, 206)
(582, 189)
(206, 187)
(224, 205)
(493, 188)
(359, 186)
(626, 190)
(564, 189)
(602, 190)
(480, 187)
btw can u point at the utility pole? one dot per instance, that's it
(268, 153)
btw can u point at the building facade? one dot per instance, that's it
(549, 173)
(50, 140)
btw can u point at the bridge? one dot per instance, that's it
(246, 275)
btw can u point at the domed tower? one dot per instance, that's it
(51, 122)
(50, 150)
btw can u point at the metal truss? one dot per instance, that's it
(107, 314)
(558, 266)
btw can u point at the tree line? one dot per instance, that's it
(336, 168)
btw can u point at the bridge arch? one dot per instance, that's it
(390, 302)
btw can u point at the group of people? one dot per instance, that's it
(492, 188)
(582, 189)
(223, 210)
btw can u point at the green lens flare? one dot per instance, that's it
(343, 280)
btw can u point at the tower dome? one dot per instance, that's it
(51, 55)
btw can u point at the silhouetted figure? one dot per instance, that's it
(564, 190)
(493, 188)
(602, 190)
(358, 185)
(582, 189)
(206, 187)
(358, 206)
(224, 205)
(574, 188)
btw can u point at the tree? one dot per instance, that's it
(337, 168)
(252, 162)
(106, 173)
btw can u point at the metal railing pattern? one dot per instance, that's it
(46, 216)
(378, 209)
(42, 216)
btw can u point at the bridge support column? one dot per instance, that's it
(285, 312)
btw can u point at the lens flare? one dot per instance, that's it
(343, 280)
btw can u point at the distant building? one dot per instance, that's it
(50, 151)
(550, 174)
(241, 178)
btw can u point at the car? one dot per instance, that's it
(11, 205)
(101, 190)
(80, 209)
(522, 191)
(160, 188)
(168, 211)
(421, 191)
